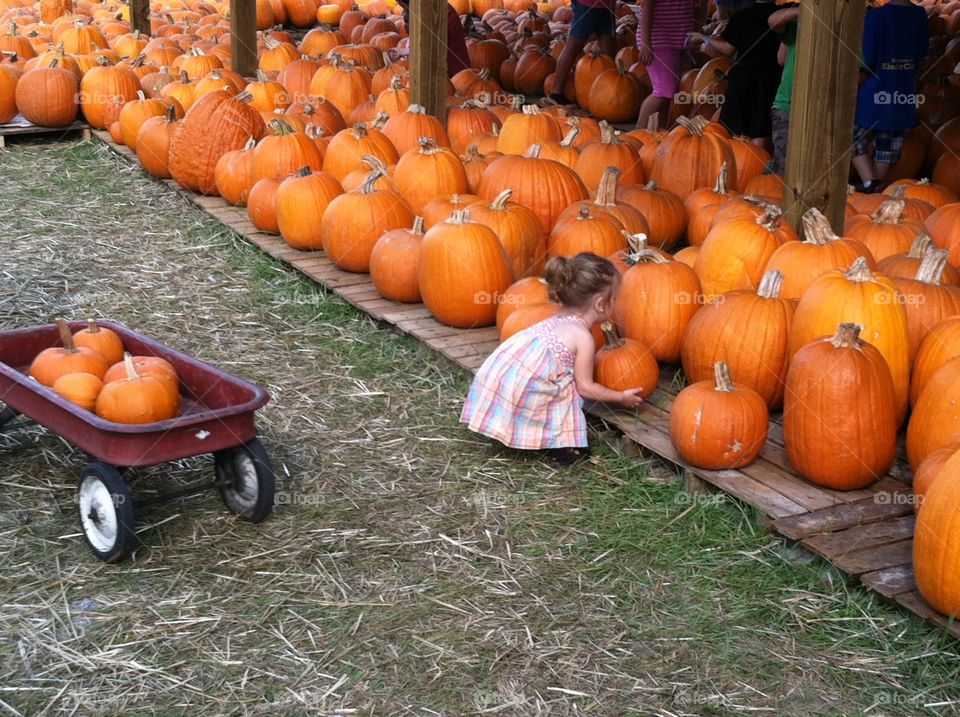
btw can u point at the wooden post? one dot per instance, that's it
(140, 16)
(243, 36)
(428, 56)
(822, 108)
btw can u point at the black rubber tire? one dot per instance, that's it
(248, 483)
(7, 414)
(105, 512)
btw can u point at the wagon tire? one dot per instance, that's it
(246, 480)
(105, 511)
(7, 414)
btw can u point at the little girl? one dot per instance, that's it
(527, 394)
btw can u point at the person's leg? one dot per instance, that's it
(607, 45)
(886, 151)
(603, 27)
(780, 119)
(571, 50)
(664, 73)
(861, 161)
(653, 105)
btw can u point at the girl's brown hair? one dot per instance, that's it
(573, 281)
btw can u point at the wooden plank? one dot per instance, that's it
(459, 350)
(891, 581)
(914, 602)
(243, 37)
(842, 517)
(821, 112)
(466, 338)
(409, 311)
(428, 56)
(860, 537)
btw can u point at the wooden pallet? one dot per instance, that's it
(19, 127)
(866, 533)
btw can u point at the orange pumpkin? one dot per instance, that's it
(429, 171)
(623, 364)
(52, 363)
(79, 388)
(104, 341)
(935, 422)
(302, 198)
(136, 399)
(393, 263)
(690, 158)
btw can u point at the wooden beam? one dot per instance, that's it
(243, 36)
(140, 16)
(428, 56)
(822, 108)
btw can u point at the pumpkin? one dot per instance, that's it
(588, 68)
(820, 251)
(440, 208)
(427, 172)
(346, 86)
(533, 67)
(462, 269)
(148, 366)
(655, 302)
(702, 204)
(276, 56)
(839, 411)
(935, 421)
(474, 165)
(869, 300)
(262, 205)
(606, 204)
(751, 160)
(104, 341)
(623, 364)
(885, 232)
(353, 222)
(103, 86)
(233, 174)
(529, 127)
(348, 147)
(48, 96)
(469, 119)
(302, 198)
(524, 292)
(923, 190)
(615, 95)
(52, 363)
(138, 111)
(718, 425)
(526, 316)
(906, 265)
(935, 542)
(153, 142)
(136, 399)
(941, 344)
(216, 124)
(597, 234)
(393, 263)
(283, 152)
(926, 301)
(749, 332)
(518, 230)
(735, 252)
(928, 470)
(9, 76)
(663, 210)
(407, 129)
(597, 156)
(542, 185)
(79, 388)
(944, 228)
(690, 158)
(562, 151)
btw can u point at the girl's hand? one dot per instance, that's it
(645, 54)
(631, 398)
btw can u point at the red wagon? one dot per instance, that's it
(216, 416)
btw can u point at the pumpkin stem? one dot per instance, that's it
(499, 202)
(417, 225)
(380, 121)
(567, 141)
(131, 369)
(816, 228)
(428, 145)
(607, 191)
(770, 219)
(650, 255)
(899, 191)
(721, 186)
(417, 109)
(653, 124)
(584, 214)
(859, 271)
(608, 135)
(66, 338)
(770, 284)
(691, 126)
(847, 336)
(92, 326)
(920, 246)
(304, 171)
(396, 83)
(611, 335)
(890, 212)
(530, 110)
(359, 131)
(533, 152)
(931, 267)
(279, 127)
(374, 163)
(244, 96)
(635, 242)
(458, 216)
(368, 184)
(721, 377)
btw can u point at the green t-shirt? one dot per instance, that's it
(782, 100)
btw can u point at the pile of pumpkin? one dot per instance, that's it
(91, 369)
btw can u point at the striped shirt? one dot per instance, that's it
(671, 21)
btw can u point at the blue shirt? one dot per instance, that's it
(895, 39)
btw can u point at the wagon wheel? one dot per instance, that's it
(245, 478)
(7, 414)
(105, 508)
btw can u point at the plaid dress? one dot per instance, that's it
(524, 394)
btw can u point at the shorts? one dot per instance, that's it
(780, 120)
(664, 71)
(589, 21)
(886, 143)
(734, 5)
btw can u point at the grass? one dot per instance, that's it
(411, 569)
